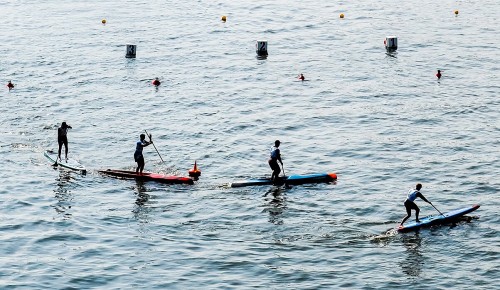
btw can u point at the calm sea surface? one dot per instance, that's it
(381, 122)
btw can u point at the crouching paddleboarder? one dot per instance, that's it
(410, 203)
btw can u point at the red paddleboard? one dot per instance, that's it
(148, 176)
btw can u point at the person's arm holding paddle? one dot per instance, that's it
(419, 194)
(154, 145)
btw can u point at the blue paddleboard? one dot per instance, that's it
(438, 219)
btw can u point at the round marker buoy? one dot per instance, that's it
(103, 21)
(156, 82)
(131, 51)
(195, 172)
(223, 18)
(438, 75)
(391, 43)
(342, 15)
(261, 48)
(10, 85)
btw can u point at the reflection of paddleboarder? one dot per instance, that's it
(10, 85)
(62, 138)
(138, 157)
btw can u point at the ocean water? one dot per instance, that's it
(382, 122)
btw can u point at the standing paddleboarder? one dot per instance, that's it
(410, 202)
(273, 161)
(62, 139)
(138, 157)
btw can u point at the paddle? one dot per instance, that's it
(436, 209)
(284, 176)
(154, 145)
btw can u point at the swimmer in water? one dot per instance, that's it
(156, 82)
(10, 85)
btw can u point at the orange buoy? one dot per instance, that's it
(195, 172)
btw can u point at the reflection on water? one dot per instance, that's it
(63, 193)
(391, 54)
(142, 196)
(276, 205)
(412, 265)
(141, 209)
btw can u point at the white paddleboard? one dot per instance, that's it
(70, 163)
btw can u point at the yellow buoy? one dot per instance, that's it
(341, 15)
(223, 18)
(456, 12)
(103, 21)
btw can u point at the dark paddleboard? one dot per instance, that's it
(148, 176)
(289, 180)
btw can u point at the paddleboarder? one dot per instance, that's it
(138, 157)
(273, 161)
(62, 139)
(301, 77)
(410, 202)
(10, 85)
